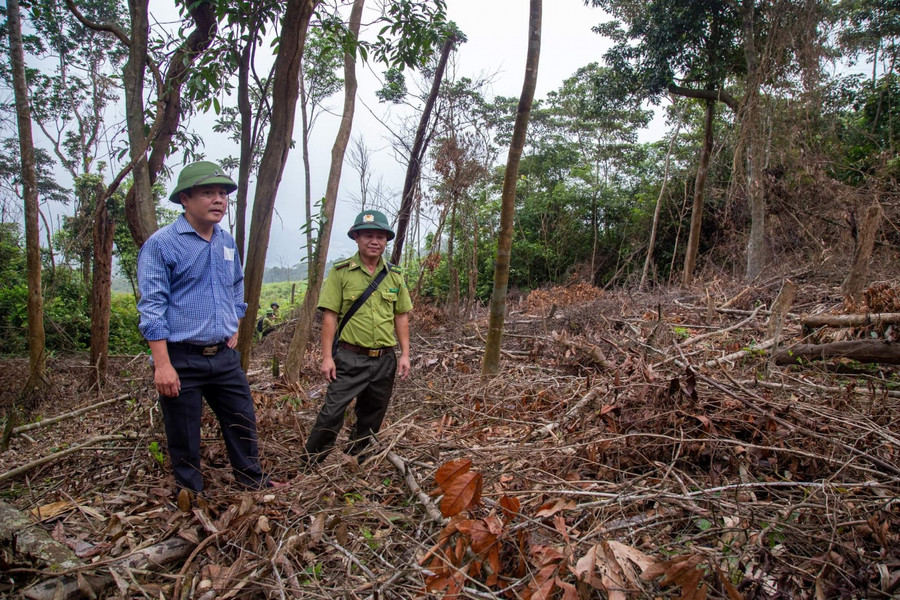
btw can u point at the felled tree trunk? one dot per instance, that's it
(66, 587)
(33, 540)
(866, 351)
(862, 320)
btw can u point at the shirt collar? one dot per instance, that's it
(356, 262)
(182, 226)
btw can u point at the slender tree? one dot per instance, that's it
(491, 362)
(318, 80)
(285, 91)
(37, 375)
(317, 267)
(420, 146)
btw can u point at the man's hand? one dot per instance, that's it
(403, 366)
(165, 378)
(329, 370)
(232, 341)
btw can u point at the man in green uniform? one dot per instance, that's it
(364, 365)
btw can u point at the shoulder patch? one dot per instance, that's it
(396, 269)
(341, 264)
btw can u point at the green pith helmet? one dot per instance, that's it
(203, 172)
(371, 219)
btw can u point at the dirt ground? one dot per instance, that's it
(634, 445)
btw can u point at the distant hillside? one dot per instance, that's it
(278, 274)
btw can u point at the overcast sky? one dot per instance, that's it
(497, 32)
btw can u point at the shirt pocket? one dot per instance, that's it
(389, 296)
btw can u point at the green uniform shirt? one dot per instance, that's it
(373, 324)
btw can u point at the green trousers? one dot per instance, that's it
(371, 382)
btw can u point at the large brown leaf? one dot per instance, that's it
(462, 493)
(450, 471)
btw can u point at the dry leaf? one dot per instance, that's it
(48, 511)
(510, 507)
(464, 491)
(551, 508)
(451, 470)
(318, 528)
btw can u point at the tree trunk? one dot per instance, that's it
(317, 271)
(435, 247)
(473, 269)
(101, 289)
(37, 377)
(452, 271)
(750, 126)
(285, 90)
(693, 247)
(139, 210)
(662, 192)
(418, 153)
(491, 363)
(140, 206)
(243, 98)
(307, 179)
(855, 282)
(866, 351)
(863, 320)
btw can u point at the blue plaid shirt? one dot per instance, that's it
(191, 290)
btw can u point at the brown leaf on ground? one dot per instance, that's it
(461, 493)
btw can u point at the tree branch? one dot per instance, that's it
(719, 95)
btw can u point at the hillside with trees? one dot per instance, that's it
(640, 368)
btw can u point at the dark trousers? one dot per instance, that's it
(222, 382)
(371, 382)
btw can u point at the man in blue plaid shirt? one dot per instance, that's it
(192, 300)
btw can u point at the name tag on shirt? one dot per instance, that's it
(229, 253)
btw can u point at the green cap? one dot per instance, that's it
(371, 219)
(203, 172)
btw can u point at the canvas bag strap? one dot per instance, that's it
(358, 303)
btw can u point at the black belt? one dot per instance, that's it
(371, 352)
(210, 350)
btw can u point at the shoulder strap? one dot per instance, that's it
(359, 302)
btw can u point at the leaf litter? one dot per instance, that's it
(614, 456)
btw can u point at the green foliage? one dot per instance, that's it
(156, 453)
(280, 292)
(660, 42)
(13, 290)
(394, 88)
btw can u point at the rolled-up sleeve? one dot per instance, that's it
(153, 284)
(330, 298)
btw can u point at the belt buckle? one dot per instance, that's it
(209, 350)
(374, 353)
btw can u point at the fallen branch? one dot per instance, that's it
(67, 586)
(820, 388)
(735, 355)
(56, 455)
(710, 334)
(32, 540)
(69, 415)
(413, 486)
(549, 427)
(858, 320)
(867, 351)
(594, 352)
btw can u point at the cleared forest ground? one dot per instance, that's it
(618, 454)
